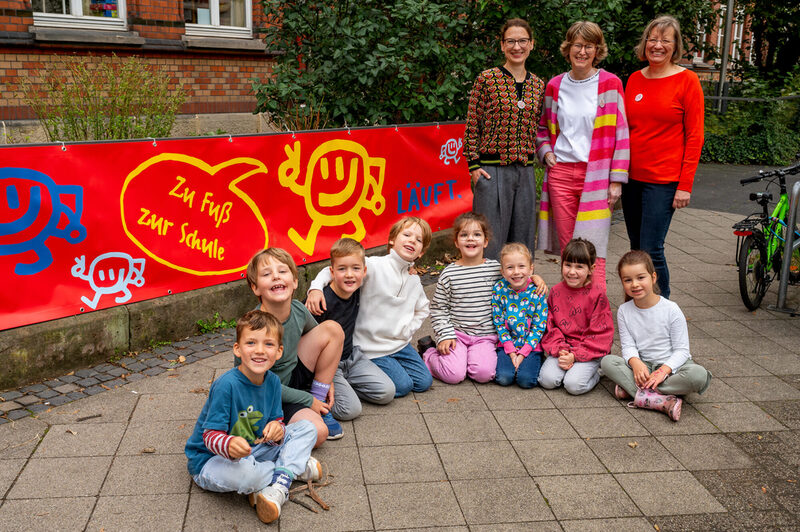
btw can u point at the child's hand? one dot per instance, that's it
(566, 360)
(516, 359)
(657, 377)
(541, 286)
(640, 371)
(330, 397)
(445, 345)
(319, 407)
(315, 302)
(273, 431)
(238, 447)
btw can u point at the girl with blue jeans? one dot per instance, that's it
(520, 316)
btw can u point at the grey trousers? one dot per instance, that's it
(582, 377)
(359, 377)
(688, 378)
(508, 200)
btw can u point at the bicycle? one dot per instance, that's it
(760, 239)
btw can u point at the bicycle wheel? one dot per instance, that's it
(753, 274)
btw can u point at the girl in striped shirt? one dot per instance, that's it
(461, 309)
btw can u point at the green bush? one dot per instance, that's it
(78, 98)
(410, 61)
(765, 133)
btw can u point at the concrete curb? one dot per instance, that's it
(49, 349)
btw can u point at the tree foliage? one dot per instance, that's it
(394, 61)
(775, 43)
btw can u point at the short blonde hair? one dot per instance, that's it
(427, 234)
(344, 247)
(660, 24)
(279, 254)
(589, 32)
(516, 247)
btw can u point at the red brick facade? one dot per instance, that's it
(217, 75)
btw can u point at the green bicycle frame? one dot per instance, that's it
(775, 231)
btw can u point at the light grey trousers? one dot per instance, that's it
(508, 200)
(690, 377)
(359, 377)
(582, 377)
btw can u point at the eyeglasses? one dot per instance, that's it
(662, 42)
(511, 42)
(588, 47)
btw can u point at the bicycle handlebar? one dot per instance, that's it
(781, 172)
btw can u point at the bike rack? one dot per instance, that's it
(789, 246)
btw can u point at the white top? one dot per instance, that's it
(463, 300)
(577, 109)
(658, 334)
(393, 305)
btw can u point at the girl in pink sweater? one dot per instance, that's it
(580, 329)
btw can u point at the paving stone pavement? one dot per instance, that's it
(102, 449)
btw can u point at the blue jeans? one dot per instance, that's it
(407, 371)
(527, 374)
(254, 472)
(648, 213)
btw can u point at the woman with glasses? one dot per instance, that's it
(664, 103)
(504, 108)
(583, 141)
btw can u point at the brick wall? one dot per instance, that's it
(217, 80)
(216, 84)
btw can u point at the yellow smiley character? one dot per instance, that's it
(347, 162)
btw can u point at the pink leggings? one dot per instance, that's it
(473, 356)
(565, 186)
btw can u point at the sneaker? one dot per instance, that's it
(335, 430)
(313, 471)
(269, 501)
(425, 343)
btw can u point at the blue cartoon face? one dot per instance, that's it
(32, 209)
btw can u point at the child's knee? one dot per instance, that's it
(550, 379)
(403, 386)
(504, 378)
(527, 381)
(483, 373)
(577, 387)
(346, 411)
(332, 331)
(423, 381)
(700, 378)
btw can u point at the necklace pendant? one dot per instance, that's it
(521, 104)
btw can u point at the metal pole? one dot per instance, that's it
(788, 248)
(726, 50)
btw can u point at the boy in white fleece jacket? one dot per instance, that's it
(393, 307)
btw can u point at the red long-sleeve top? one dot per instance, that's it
(665, 118)
(579, 321)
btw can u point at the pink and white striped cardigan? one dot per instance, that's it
(609, 158)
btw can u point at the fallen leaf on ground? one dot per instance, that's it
(148, 450)
(70, 431)
(764, 489)
(181, 359)
(633, 444)
(198, 390)
(105, 387)
(760, 437)
(173, 375)
(453, 399)
(791, 480)
(656, 527)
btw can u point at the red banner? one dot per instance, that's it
(94, 225)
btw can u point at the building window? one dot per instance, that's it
(80, 14)
(218, 18)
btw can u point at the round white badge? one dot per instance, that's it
(639, 97)
(521, 104)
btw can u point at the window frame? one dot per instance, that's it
(216, 30)
(83, 22)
